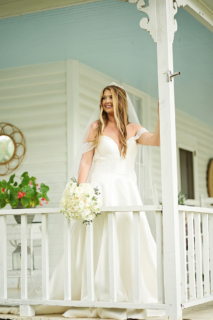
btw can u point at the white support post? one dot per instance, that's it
(3, 257)
(182, 229)
(198, 251)
(23, 256)
(211, 249)
(165, 34)
(137, 265)
(159, 243)
(25, 310)
(45, 257)
(72, 112)
(112, 258)
(90, 263)
(191, 261)
(206, 253)
(67, 259)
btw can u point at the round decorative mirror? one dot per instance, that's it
(12, 148)
(7, 149)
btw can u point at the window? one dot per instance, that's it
(187, 173)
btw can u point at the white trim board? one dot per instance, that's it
(199, 10)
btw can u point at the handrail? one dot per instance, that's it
(103, 209)
(195, 209)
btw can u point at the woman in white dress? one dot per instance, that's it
(111, 143)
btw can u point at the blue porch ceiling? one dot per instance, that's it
(106, 36)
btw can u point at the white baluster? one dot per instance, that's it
(3, 257)
(90, 263)
(206, 254)
(137, 265)
(183, 268)
(24, 256)
(112, 258)
(45, 257)
(198, 251)
(25, 310)
(159, 243)
(191, 262)
(67, 259)
(211, 249)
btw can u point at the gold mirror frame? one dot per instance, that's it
(14, 162)
(210, 178)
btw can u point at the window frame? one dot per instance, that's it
(189, 143)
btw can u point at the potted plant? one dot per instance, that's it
(26, 194)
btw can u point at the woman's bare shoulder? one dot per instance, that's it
(92, 131)
(134, 127)
(94, 125)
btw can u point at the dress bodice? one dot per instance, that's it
(107, 157)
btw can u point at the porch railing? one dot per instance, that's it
(26, 304)
(196, 259)
(196, 255)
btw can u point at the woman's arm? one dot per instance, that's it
(85, 166)
(86, 160)
(151, 139)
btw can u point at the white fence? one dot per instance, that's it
(196, 255)
(196, 249)
(26, 305)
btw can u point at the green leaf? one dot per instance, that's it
(25, 174)
(14, 202)
(15, 184)
(4, 184)
(44, 189)
(26, 202)
(25, 181)
(2, 203)
(36, 202)
(11, 180)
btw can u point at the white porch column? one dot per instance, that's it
(161, 25)
(165, 34)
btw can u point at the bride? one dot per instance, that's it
(111, 144)
(110, 147)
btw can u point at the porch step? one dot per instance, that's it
(204, 312)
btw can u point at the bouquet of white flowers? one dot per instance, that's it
(80, 201)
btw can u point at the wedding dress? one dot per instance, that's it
(116, 179)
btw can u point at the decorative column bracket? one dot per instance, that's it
(150, 23)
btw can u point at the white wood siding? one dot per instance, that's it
(34, 99)
(199, 132)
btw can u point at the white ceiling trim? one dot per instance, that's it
(199, 10)
(12, 8)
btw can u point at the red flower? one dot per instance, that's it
(3, 190)
(46, 202)
(21, 194)
(37, 185)
(42, 198)
(41, 204)
(39, 188)
(31, 183)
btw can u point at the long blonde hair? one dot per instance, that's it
(120, 107)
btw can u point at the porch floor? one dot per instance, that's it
(201, 312)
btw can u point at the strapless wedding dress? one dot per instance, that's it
(116, 179)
